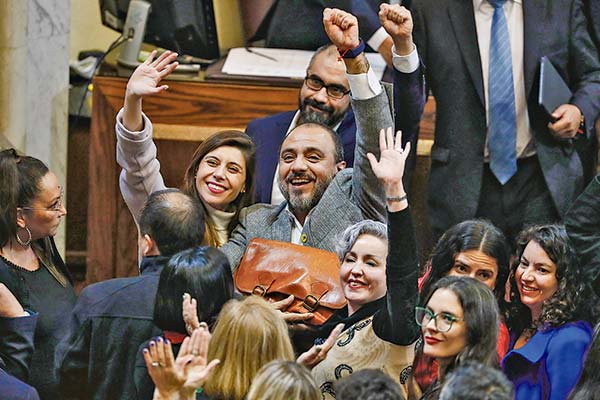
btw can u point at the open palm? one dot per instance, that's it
(389, 169)
(147, 76)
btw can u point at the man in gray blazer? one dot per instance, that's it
(323, 198)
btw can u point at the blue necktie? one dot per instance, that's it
(502, 124)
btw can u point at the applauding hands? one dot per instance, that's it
(179, 378)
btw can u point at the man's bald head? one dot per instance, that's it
(174, 220)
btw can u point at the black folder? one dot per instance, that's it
(553, 89)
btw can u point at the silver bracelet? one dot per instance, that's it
(394, 199)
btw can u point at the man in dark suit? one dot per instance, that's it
(583, 227)
(527, 171)
(592, 12)
(324, 98)
(112, 318)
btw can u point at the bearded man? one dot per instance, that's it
(323, 197)
(325, 99)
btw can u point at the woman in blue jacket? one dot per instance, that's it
(548, 336)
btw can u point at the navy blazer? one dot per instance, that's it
(268, 134)
(14, 389)
(111, 318)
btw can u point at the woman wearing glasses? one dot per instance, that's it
(220, 174)
(472, 248)
(31, 201)
(549, 336)
(459, 321)
(379, 280)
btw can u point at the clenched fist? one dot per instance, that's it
(341, 28)
(397, 22)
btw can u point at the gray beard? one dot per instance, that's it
(304, 204)
(329, 119)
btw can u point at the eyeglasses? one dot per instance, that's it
(56, 207)
(334, 91)
(423, 317)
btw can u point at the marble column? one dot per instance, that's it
(34, 81)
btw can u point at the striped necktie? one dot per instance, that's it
(502, 124)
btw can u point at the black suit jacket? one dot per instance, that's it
(111, 318)
(592, 10)
(583, 226)
(446, 38)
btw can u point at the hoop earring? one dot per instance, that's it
(24, 243)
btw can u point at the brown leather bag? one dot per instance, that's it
(275, 270)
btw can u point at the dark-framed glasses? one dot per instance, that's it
(55, 207)
(423, 317)
(334, 91)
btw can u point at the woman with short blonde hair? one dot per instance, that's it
(248, 334)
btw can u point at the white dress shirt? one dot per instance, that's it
(484, 12)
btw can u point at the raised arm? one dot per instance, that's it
(144, 82)
(409, 87)
(136, 152)
(371, 107)
(395, 322)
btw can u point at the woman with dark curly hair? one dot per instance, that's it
(548, 336)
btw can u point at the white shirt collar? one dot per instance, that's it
(477, 4)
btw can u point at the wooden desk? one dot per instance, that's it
(182, 117)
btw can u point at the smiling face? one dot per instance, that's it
(221, 176)
(306, 166)
(362, 272)
(477, 265)
(42, 217)
(535, 277)
(444, 346)
(316, 105)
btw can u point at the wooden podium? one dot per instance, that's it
(182, 117)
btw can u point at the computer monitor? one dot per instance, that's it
(185, 26)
